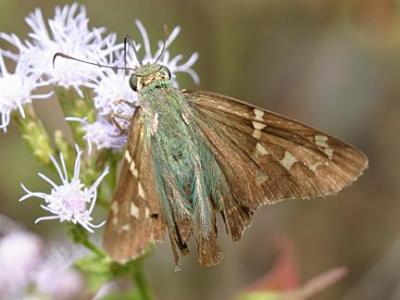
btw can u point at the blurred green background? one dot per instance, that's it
(334, 64)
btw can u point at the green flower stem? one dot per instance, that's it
(34, 135)
(79, 236)
(75, 106)
(92, 247)
(140, 279)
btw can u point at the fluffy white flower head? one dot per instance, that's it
(16, 90)
(67, 32)
(71, 201)
(101, 134)
(163, 55)
(112, 86)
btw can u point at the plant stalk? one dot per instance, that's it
(140, 280)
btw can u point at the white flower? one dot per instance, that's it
(111, 87)
(67, 32)
(71, 201)
(20, 256)
(16, 90)
(173, 63)
(102, 134)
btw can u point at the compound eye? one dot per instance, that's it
(167, 71)
(133, 81)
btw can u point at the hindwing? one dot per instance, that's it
(135, 219)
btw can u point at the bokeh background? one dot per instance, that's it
(334, 64)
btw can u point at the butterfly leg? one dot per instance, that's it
(114, 117)
(126, 102)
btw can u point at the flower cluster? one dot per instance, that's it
(69, 32)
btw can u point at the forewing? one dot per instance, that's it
(135, 219)
(267, 157)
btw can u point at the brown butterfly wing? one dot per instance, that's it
(267, 158)
(135, 220)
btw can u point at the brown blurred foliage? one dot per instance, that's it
(332, 63)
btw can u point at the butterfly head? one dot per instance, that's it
(149, 74)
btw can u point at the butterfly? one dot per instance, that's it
(194, 155)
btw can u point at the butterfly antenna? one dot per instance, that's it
(127, 40)
(162, 52)
(167, 33)
(66, 56)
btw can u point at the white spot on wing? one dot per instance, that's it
(261, 150)
(131, 163)
(147, 212)
(257, 129)
(258, 114)
(321, 141)
(256, 134)
(134, 210)
(258, 126)
(123, 228)
(288, 160)
(128, 156)
(133, 169)
(140, 190)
